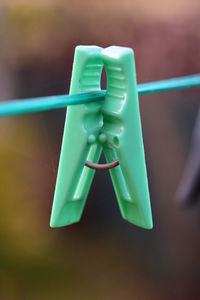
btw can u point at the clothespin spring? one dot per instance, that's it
(102, 167)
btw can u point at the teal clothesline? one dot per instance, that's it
(32, 105)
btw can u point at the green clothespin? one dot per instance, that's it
(112, 125)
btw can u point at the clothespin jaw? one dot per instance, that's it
(113, 125)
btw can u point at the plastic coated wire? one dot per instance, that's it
(32, 105)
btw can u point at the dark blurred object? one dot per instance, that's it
(189, 189)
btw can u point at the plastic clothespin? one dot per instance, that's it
(112, 125)
(189, 189)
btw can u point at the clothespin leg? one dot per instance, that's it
(78, 146)
(123, 129)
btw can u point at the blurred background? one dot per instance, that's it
(101, 257)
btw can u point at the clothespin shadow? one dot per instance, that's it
(188, 192)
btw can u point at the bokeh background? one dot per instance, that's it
(101, 257)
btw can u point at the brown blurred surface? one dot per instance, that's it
(102, 257)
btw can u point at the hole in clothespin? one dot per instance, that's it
(103, 79)
(116, 141)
